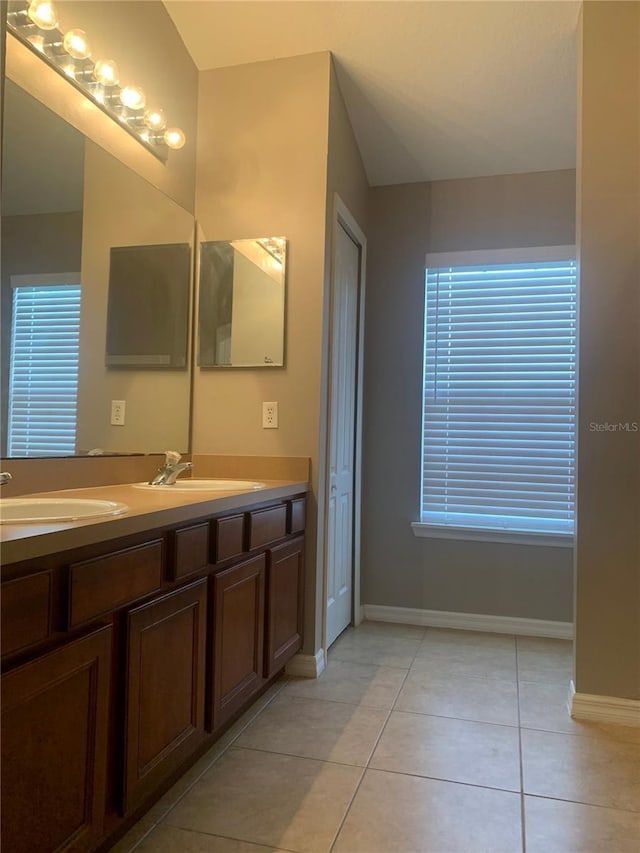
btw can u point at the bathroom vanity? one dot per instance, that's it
(129, 644)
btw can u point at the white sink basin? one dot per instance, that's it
(213, 485)
(22, 510)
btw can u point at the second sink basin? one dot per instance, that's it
(209, 485)
(43, 510)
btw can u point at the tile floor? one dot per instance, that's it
(413, 739)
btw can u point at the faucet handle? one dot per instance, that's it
(172, 457)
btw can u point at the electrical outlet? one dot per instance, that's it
(269, 416)
(117, 412)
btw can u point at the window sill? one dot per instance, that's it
(471, 534)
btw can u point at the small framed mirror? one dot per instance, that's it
(242, 303)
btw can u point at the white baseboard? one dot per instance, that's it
(603, 709)
(469, 621)
(307, 666)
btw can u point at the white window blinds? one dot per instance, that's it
(500, 396)
(43, 384)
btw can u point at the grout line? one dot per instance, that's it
(522, 803)
(461, 719)
(371, 753)
(297, 755)
(580, 803)
(258, 844)
(414, 775)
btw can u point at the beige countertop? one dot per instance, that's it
(147, 509)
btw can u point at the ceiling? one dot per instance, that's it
(434, 90)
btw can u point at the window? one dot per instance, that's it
(43, 378)
(498, 448)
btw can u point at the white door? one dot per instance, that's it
(342, 426)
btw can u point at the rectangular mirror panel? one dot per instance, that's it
(66, 204)
(242, 303)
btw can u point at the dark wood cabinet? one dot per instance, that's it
(123, 659)
(165, 684)
(54, 748)
(285, 579)
(238, 634)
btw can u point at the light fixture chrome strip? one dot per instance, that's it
(34, 24)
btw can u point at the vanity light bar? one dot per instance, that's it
(274, 246)
(35, 24)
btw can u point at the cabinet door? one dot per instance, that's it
(54, 746)
(238, 630)
(285, 586)
(165, 682)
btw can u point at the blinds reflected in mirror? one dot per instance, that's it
(43, 383)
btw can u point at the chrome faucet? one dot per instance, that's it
(168, 473)
(5, 476)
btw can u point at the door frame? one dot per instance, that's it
(342, 217)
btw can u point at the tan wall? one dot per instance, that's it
(608, 545)
(122, 209)
(42, 243)
(161, 65)
(262, 149)
(406, 221)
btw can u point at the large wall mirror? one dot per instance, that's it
(66, 204)
(242, 303)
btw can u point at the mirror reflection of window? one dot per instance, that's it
(242, 303)
(43, 371)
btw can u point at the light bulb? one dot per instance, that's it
(76, 44)
(132, 97)
(106, 72)
(155, 119)
(174, 137)
(43, 14)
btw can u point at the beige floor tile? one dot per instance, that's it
(379, 647)
(270, 799)
(481, 699)
(553, 826)
(131, 840)
(170, 839)
(168, 800)
(597, 771)
(545, 660)
(544, 707)
(393, 813)
(454, 750)
(313, 728)
(460, 660)
(355, 683)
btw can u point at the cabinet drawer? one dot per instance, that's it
(228, 536)
(191, 551)
(267, 525)
(296, 515)
(105, 583)
(26, 611)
